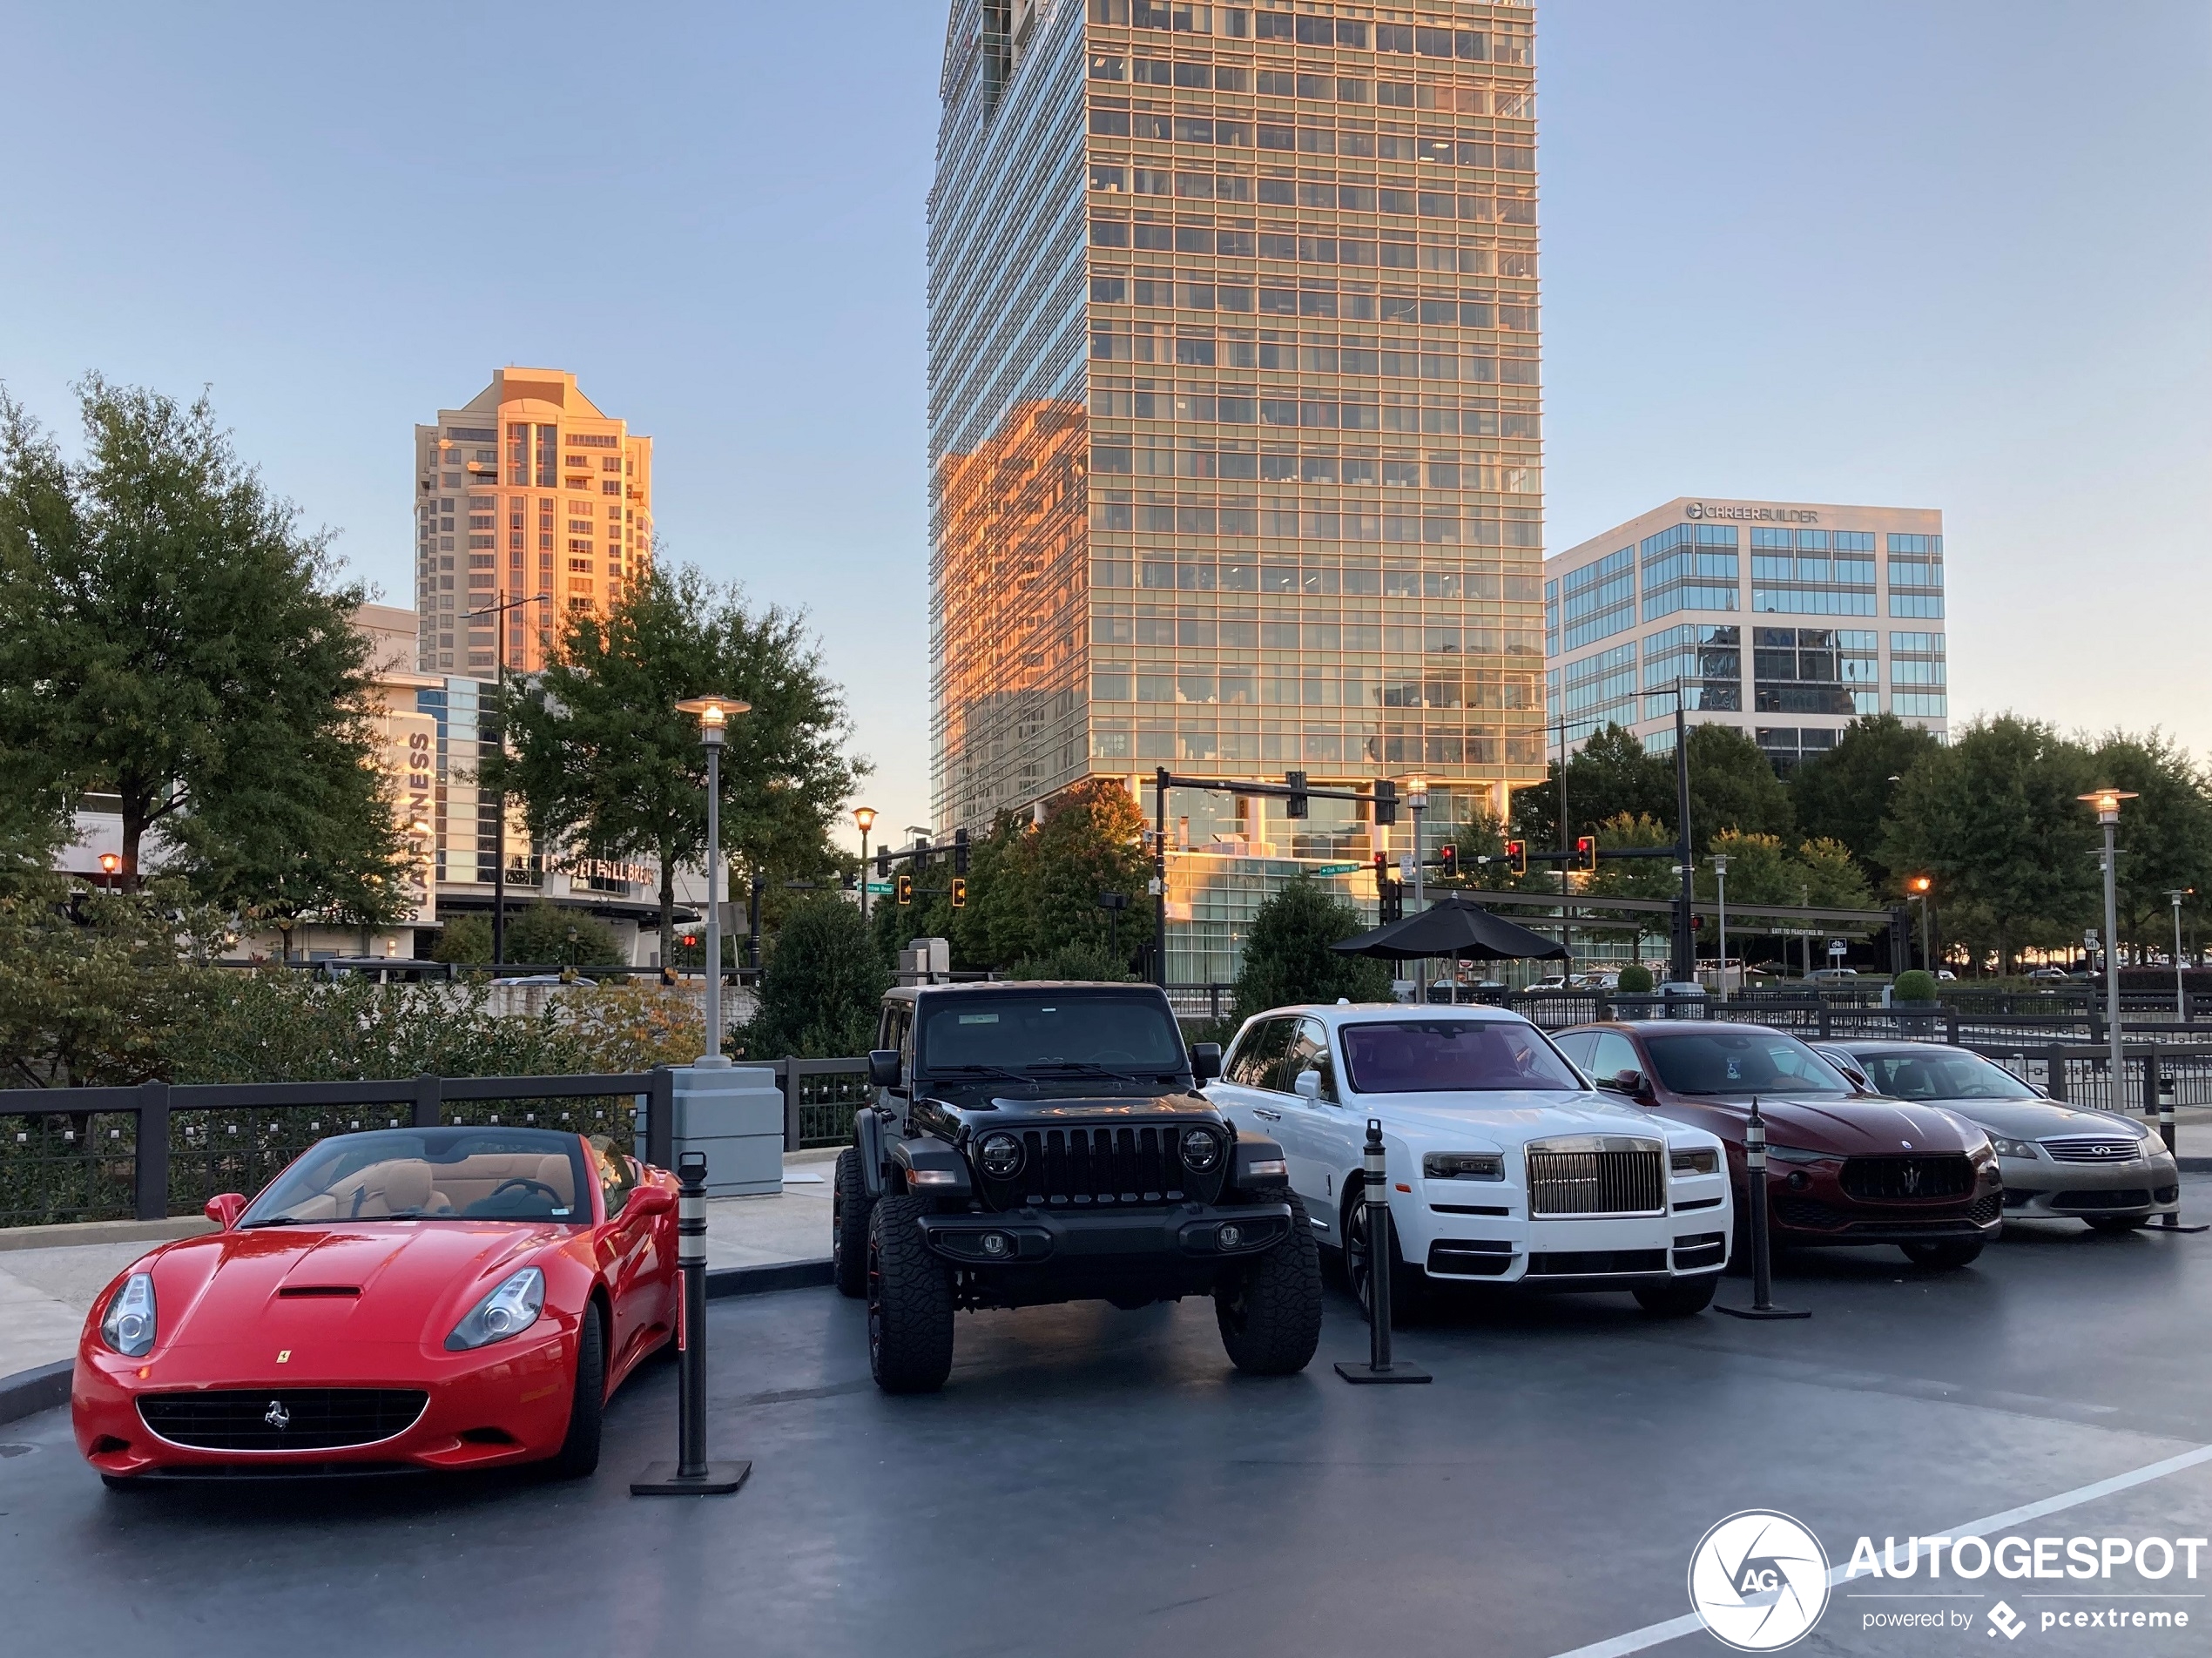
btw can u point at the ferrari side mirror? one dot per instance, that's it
(225, 1208)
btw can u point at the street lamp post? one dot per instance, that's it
(865, 817)
(1920, 886)
(2181, 994)
(1720, 875)
(714, 714)
(1417, 800)
(499, 825)
(2107, 802)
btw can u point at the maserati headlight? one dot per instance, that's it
(1694, 1162)
(1201, 1149)
(1797, 1153)
(508, 1311)
(129, 1326)
(1462, 1165)
(1000, 1155)
(2005, 1147)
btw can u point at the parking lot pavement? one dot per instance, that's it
(1095, 1482)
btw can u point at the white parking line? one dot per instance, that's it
(1654, 1634)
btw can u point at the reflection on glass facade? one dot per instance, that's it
(1235, 409)
(1800, 653)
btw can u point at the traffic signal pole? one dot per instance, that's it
(1685, 966)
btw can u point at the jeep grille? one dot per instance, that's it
(1121, 1165)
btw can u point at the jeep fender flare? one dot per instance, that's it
(867, 1141)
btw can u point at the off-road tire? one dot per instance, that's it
(1269, 1308)
(1682, 1299)
(1410, 1295)
(578, 1456)
(910, 1301)
(2117, 1223)
(1947, 1255)
(849, 1206)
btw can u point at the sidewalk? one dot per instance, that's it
(45, 1292)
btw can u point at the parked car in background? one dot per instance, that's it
(2048, 975)
(1831, 975)
(1844, 1167)
(404, 1298)
(1505, 1167)
(2058, 1162)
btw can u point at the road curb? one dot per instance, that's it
(29, 1391)
(2194, 1165)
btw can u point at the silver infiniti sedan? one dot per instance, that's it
(2058, 1163)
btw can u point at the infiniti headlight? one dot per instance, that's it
(1000, 1155)
(1462, 1165)
(2005, 1147)
(129, 1326)
(508, 1311)
(1201, 1149)
(1693, 1160)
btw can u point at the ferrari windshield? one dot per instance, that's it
(1741, 1062)
(431, 1174)
(1049, 1031)
(1937, 1074)
(1451, 1055)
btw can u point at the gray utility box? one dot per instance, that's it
(734, 1115)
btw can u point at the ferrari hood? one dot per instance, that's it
(390, 1281)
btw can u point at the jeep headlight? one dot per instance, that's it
(129, 1326)
(508, 1311)
(1462, 1165)
(1000, 1155)
(1201, 1149)
(1695, 1161)
(2005, 1147)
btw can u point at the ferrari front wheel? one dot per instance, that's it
(579, 1454)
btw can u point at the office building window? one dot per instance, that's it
(548, 456)
(1916, 606)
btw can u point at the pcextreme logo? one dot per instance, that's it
(1759, 1581)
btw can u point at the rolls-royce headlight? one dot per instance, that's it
(1462, 1165)
(1201, 1149)
(1695, 1161)
(999, 1155)
(129, 1326)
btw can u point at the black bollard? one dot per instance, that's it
(1755, 1218)
(691, 1474)
(2172, 1222)
(1379, 1367)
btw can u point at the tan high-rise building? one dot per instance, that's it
(527, 497)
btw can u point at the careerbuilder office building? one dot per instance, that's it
(1788, 620)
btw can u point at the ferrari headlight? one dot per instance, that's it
(129, 1326)
(508, 1311)
(2005, 1147)
(1695, 1162)
(1462, 1165)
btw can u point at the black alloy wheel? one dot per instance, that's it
(1408, 1285)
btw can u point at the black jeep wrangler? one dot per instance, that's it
(1034, 1143)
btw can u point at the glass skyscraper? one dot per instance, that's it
(1235, 419)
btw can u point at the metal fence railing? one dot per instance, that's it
(153, 1151)
(2149, 1074)
(820, 1096)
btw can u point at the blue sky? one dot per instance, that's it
(1954, 256)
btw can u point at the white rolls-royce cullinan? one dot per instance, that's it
(1505, 1166)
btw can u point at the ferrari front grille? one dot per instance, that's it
(300, 1418)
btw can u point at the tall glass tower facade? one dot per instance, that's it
(1235, 418)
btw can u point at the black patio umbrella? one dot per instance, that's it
(1457, 927)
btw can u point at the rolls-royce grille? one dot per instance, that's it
(1597, 1176)
(1120, 1165)
(1904, 1180)
(302, 1418)
(2093, 1148)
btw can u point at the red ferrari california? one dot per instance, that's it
(409, 1298)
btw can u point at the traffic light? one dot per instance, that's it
(1586, 855)
(1447, 861)
(960, 892)
(883, 863)
(905, 889)
(1382, 872)
(1296, 805)
(960, 855)
(1517, 856)
(1386, 803)
(1393, 902)
(920, 855)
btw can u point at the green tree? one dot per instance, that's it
(1994, 820)
(1832, 877)
(1732, 786)
(168, 636)
(465, 940)
(550, 935)
(2165, 833)
(1844, 794)
(1760, 871)
(603, 762)
(1287, 958)
(1611, 775)
(820, 987)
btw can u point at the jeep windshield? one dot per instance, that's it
(1049, 1034)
